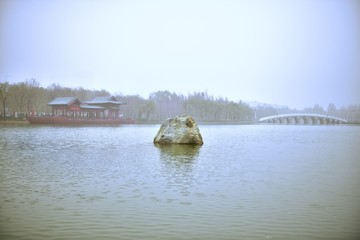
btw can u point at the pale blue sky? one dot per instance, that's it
(291, 52)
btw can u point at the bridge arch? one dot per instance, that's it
(302, 118)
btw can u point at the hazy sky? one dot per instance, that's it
(292, 52)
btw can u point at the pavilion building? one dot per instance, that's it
(107, 107)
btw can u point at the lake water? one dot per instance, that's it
(245, 182)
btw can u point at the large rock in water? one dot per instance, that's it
(179, 130)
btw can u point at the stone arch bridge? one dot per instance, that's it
(302, 118)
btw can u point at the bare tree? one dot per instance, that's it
(18, 94)
(32, 87)
(4, 92)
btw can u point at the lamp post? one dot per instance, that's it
(353, 115)
(255, 115)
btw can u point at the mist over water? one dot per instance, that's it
(245, 182)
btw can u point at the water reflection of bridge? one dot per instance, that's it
(302, 118)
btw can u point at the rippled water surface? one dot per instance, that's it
(245, 182)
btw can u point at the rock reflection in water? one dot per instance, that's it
(178, 154)
(178, 161)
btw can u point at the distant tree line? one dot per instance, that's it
(20, 99)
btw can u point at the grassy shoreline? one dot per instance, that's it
(13, 122)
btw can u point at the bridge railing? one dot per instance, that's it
(303, 115)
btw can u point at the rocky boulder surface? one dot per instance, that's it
(179, 130)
